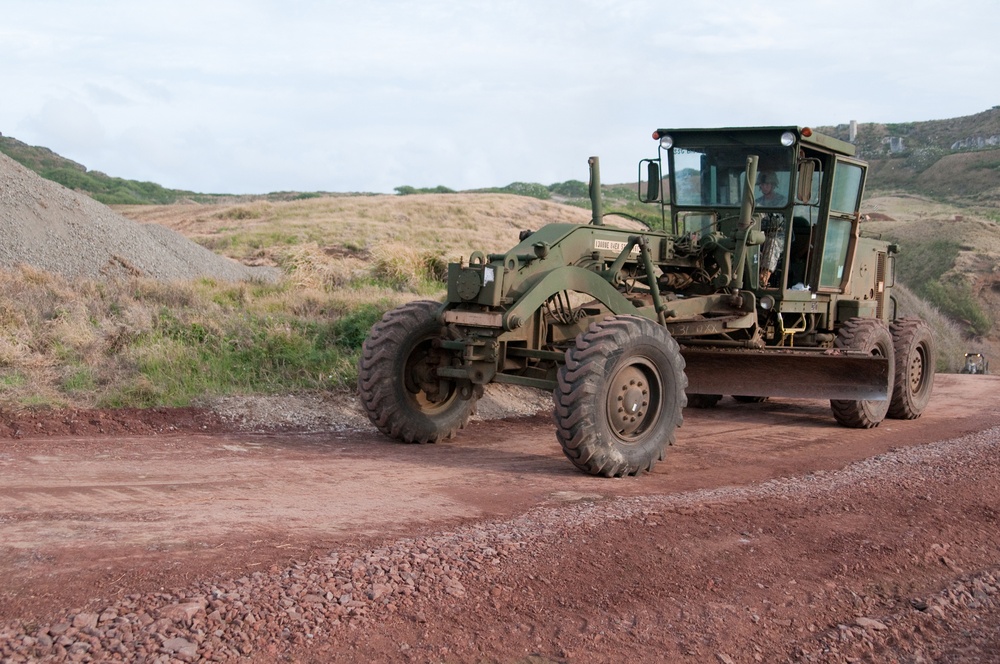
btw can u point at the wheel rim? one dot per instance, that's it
(634, 400)
(917, 371)
(423, 388)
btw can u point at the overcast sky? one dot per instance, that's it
(254, 96)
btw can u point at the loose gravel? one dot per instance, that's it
(49, 227)
(266, 612)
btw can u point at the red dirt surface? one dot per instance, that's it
(769, 534)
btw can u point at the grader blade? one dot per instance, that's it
(799, 374)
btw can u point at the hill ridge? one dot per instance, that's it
(923, 157)
(49, 227)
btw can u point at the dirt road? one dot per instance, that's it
(493, 547)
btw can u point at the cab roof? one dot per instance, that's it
(756, 136)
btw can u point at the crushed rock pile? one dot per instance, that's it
(49, 227)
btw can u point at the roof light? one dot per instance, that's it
(807, 132)
(788, 139)
(666, 141)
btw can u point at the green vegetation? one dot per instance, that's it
(921, 264)
(532, 189)
(618, 199)
(954, 297)
(925, 268)
(623, 200)
(111, 190)
(570, 189)
(142, 343)
(101, 187)
(406, 190)
(951, 160)
(348, 259)
(184, 356)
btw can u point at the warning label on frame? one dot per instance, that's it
(613, 245)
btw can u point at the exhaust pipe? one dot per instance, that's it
(596, 205)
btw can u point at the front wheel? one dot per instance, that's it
(871, 336)
(914, 370)
(397, 378)
(619, 396)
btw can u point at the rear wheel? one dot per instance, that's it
(871, 336)
(914, 371)
(703, 400)
(397, 378)
(619, 396)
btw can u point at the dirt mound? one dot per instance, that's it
(331, 412)
(17, 424)
(49, 227)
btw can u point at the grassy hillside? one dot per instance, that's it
(101, 187)
(113, 190)
(955, 160)
(950, 259)
(349, 258)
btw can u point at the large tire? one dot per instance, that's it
(620, 396)
(872, 336)
(397, 382)
(913, 344)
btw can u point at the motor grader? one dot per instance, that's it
(975, 363)
(728, 292)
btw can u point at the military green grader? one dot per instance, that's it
(758, 283)
(975, 363)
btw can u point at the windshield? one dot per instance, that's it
(714, 176)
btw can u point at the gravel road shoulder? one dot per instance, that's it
(752, 552)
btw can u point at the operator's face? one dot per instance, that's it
(766, 188)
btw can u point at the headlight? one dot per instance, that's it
(766, 302)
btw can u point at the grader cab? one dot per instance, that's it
(757, 282)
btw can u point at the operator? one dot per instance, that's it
(773, 225)
(768, 182)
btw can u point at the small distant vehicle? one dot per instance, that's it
(975, 363)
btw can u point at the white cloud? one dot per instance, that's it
(70, 122)
(265, 95)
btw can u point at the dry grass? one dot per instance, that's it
(356, 249)
(450, 226)
(54, 332)
(918, 223)
(361, 249)
(950, 342)
(140, 342)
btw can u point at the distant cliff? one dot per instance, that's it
(956, 159)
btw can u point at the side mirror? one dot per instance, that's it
(805, 185)
(652, 182)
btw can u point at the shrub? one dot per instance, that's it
(350, 330)
(404, 267)
(571, 189)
